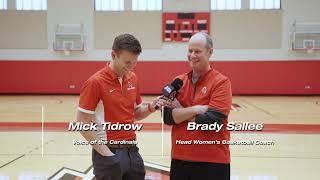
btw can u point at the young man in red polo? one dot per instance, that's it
(111, 98)
(204, 99)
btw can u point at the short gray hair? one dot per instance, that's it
(209, 43)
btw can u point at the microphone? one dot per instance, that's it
(171, 90)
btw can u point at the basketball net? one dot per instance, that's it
(67, 52)
(310, 49)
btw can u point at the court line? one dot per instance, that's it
(12, 161)
(88, 174)
(233, 156)
(42, 123)
(162, 133)
(157, 166)
(278, 157)
(63, 127)
(28, 153)
(63, 171)
(255, 106)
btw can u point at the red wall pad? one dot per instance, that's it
(61, 77)
(253, 77)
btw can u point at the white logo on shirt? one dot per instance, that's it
(130, 86)
(204, 90)
(112, 90)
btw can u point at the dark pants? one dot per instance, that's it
(186, 170)
(126, 164)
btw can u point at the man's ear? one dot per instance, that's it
(210, 51)
(113, 54)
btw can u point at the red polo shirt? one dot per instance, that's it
(213, 89)
(118, 100)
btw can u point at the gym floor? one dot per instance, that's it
(291, 124)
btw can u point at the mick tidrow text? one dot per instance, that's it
(80, 126)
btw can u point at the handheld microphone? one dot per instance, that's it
(171, 90)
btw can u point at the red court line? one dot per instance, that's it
(63, 127)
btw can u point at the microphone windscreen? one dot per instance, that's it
(177, 84)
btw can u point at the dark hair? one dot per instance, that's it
(127, 42)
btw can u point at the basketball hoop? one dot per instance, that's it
(67, 52)
(310, 49)
(68, 39)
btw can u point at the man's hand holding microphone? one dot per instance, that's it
(169, 93)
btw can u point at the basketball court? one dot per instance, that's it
(290, 126)
(269, 49)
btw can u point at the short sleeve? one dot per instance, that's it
(221, 98)
(138, 98)
(89, 96)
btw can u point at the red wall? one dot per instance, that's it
(252, 77)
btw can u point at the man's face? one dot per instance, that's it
(198, 53)
(124, 61)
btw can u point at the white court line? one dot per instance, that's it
(162, 113)
(42, 120)
(67, 171)
(156, 166)
(89, 175)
